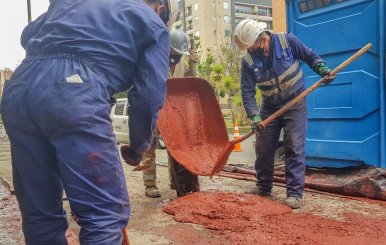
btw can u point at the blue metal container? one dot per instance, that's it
(346, 125)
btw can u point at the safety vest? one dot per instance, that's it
(285, 77)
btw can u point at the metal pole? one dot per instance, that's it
(183, 16)
(29, 10)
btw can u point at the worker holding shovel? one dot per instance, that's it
(272, 62)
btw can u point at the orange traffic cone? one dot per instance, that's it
(236, 135)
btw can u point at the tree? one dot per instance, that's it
(216, 80)
(231, 87)
(204, 68)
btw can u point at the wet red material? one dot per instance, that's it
(192, 126)
(249, 219)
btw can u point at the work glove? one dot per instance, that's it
(130, 156)
(322, 70)
(257, 126)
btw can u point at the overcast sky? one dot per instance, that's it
(13, 18)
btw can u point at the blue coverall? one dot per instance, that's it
(280, 79)
(56, 108)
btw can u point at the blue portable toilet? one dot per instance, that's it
(346, 125)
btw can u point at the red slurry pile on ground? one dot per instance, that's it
(249, 219)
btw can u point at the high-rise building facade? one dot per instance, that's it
(213, 21)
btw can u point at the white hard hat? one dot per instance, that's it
(247, 32)
(179, 41)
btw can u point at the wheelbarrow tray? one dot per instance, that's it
(192, 125)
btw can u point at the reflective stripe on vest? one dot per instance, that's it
(283, 86)
(289, 71)
(282, 40)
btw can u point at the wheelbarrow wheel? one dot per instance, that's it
(183, 181)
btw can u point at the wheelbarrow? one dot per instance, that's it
(193, 128)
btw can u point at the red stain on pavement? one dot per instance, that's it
(249, 219)
(191, 124)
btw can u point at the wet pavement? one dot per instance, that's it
(149, 224)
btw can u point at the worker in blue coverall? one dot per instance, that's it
(55, 109)
(272, 63)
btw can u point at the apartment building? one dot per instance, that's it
(5, 74)
(214, 21)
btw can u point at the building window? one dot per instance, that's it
(226, 19)
(195, 6)
(244, 9)
(189, 25)
(226, 5)
(214, 32)
(264, 11)
(227, 33)
(188, 11)
(196, 20)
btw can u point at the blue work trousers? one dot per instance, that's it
(56, 113)
(294, 123)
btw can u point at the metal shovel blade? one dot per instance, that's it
(192, 125)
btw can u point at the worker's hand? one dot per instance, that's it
(131, 157)
(257, 126)
(322, 69)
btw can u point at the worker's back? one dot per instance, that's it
(112, 34)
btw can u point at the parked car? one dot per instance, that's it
(119, 118)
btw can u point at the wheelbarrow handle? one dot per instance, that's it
(306, 92)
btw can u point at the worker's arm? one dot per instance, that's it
(302, 52)
(148, 94)
(31, 30)
(248, 90)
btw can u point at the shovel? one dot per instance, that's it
(192, 126)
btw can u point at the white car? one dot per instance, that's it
(119, 118)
